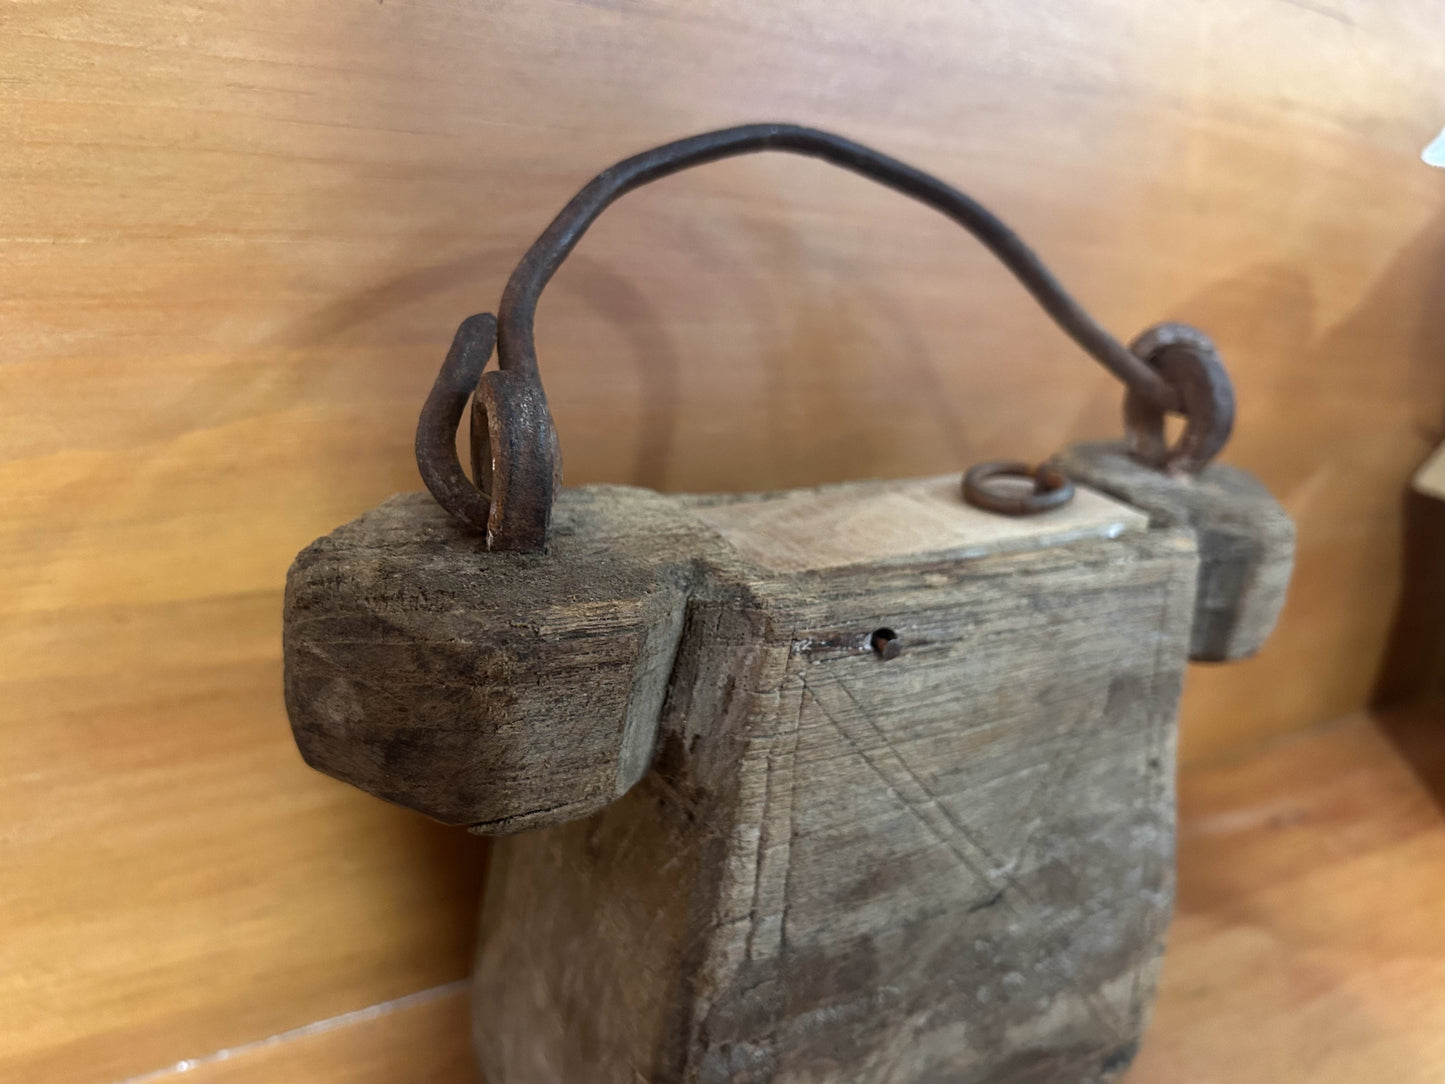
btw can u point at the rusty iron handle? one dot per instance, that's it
(515, 450)
(516, 349)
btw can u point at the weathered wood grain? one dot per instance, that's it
(1246, 541)
(956, 864)
(499, 690)
(953, 863)
(510, 691)
(950, 863)
(833, 526)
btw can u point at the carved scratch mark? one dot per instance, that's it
(792, 827)
(770, 849)
(958, 825)
(1054, 781)
(762, 849)
(948, 840)
(1095, 1003)
(1055, 776)
(351, 677)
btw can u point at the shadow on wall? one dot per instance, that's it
(1414, 660)
(617, 299)
(1413, 664)
(1334, 419)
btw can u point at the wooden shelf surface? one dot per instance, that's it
(1308, 944)
(418, 1040)
(1309, 937)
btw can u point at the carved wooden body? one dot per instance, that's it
(952, 865)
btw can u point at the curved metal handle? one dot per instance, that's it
(518, 472)
(516, 349)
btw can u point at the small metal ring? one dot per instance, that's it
(1187, 360)
(1052, 488)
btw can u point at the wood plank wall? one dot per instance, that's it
(235, 238)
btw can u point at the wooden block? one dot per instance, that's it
(1246, 541)
(833, 526)
(497, 690)
(955, 863)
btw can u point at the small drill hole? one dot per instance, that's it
(884, 643)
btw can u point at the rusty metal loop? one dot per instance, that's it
(1187, 359)
(514, 437)
(516, 463)
(436, 429)
(1051, 487)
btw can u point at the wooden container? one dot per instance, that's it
(910, 812)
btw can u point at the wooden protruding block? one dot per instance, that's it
(1246, 541)
(496, 690)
